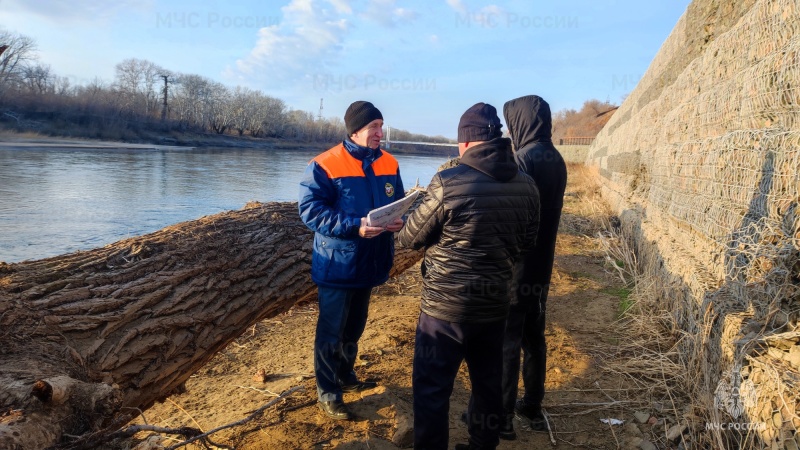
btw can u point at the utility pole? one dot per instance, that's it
(388, 137)
(319, 117)
(164, 105)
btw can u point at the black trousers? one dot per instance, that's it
(525, 324)
(524, 331)
(440, 348)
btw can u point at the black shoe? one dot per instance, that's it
(507, 429)
(359, 386)
(464, 447)
(530, 416)
(335, 409)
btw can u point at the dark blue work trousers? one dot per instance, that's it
(342, 318)
(439, 349)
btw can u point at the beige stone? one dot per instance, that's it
(794, 356)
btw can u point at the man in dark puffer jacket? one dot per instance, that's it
(474, 223)
(529, 123)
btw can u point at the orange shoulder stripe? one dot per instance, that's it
(337, 163)
(385, 165)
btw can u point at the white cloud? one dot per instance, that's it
(342, 6)
(405, 15)
(492, 9)
(458, 6)
(307, 45)
(386, 14)
(308, 39)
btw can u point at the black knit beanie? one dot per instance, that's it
(479, 123)
(359, 114)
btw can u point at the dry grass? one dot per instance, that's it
(673, 360)
(589, 212)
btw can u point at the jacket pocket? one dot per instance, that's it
(334, 260)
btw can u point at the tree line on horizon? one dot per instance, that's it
(146, 101)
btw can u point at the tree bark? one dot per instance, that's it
(93, 337)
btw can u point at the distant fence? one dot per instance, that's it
(388, 144)
(576, 140)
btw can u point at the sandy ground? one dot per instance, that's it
(580, 390)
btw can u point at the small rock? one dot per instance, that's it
(647, 445)
(777, 420)
(777, 354)
(557, 370)
(658, 406)
(652, 420)
(403, 436)
(675, 431)
(260, 376)
(631, 429)
(641, 417)
(151, 443)
(794, 356)
(632, 442)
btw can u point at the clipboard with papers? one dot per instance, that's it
(380, 217)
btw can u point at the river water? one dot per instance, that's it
(59, 200)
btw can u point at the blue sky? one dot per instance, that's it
(422, 63)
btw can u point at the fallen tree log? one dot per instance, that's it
(96, 337)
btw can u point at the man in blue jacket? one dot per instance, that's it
(339, 188)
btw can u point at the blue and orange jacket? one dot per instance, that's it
(339, 187)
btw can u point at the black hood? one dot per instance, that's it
(528, 120)
(494, 158)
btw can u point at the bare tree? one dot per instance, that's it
(38, 78)
(243, 108)
(19, 49)
(190, 95)
(219, 109)
(136, 80)
(272, 116)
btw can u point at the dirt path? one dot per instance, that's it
(585, 301)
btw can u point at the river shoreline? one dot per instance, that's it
(188, 141)
(10, 139)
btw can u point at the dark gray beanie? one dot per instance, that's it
(359, 114)
(479, 123)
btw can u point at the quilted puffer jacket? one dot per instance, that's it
(474, 223)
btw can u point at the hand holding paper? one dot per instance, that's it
(386, 215)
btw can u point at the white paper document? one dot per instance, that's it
(380, 217)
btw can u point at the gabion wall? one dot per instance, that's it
(702, 163)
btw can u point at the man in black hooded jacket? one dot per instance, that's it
(475, 220)
(530, 126)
